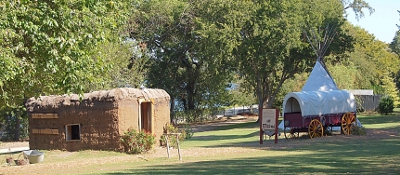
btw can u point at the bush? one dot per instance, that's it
(357, 130)
(386, 105)
(188, 130)
(137, 142)
(186, 133)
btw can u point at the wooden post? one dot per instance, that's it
(166, 140)
(177, 143)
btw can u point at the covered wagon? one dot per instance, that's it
(314, 111)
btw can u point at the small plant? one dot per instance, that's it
(188, 130)
(386, 105)
(137, 142)
(169, 128)
(358, 130)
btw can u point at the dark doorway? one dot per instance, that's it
(146, 116)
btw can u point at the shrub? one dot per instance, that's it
(188, 130)
(137, 142)
(386, 105)
(358, 130)
(186, 133)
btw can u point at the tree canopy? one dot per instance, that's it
(199, 45)
(51, 47)
(47, 46)
(190, 46)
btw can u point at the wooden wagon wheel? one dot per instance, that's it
(291, 134)
(347, 122)
(315, 128)
(294, 135)
(286, 133)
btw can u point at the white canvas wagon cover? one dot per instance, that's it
(317, 103)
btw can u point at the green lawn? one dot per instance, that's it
(236, 150)
(381, 121)
(344, 155)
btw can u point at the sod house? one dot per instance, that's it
(95, 120)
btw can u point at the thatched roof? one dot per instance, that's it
(56, 101)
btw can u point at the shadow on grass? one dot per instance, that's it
(350, 158)
(224, 137)
(234, 126)
(247, 134)
(379, 119)
(326, 155)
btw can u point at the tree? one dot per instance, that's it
(357, 6)
(369, 60)
(389, 88)
(240, 96)
(195, 44)
(274, 47)
(47, 46)
(190, 47)
(395, 46)
(386, 105)
(126, 66)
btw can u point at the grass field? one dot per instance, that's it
(236, 149)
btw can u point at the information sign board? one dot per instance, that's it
(269, 123)
(269, 119)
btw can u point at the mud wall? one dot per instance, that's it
(129, 116)
(161, 117)
(128, 111)
(96, 120)
(98, 123)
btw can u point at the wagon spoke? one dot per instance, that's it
(289, 134)
(285, 132)
(315, 129)
(347, 121)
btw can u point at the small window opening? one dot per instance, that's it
(73, 132)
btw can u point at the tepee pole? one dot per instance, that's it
(321, 46)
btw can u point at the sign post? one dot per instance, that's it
(269, 123)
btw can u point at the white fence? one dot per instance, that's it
(237, 110)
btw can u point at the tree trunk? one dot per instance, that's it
(191, 92)
(17, 128)
(191, 102)
(171, 110)
(260, 100)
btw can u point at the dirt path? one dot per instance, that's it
(6, 145)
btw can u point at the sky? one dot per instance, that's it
(381, 23)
